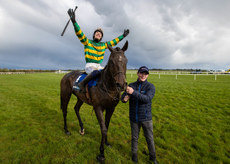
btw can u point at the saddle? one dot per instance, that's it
(87, 86)
(82, 76)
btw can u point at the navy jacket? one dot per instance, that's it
(140, 102)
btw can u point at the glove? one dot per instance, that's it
(126, 32)
(71, 15)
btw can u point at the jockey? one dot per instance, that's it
(94, 50)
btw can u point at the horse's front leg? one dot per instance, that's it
(100, 118)
(108, 115)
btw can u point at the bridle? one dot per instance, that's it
(105, 89)
(110, 93)
(115, 74)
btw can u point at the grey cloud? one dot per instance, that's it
(163, 34)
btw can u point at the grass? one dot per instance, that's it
(191, 121)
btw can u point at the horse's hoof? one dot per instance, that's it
(82, 132)
(101, 158)
(145, 152)
(107, 144)
(68, 133)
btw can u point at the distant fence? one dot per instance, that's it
(184, 73)
(133, 73)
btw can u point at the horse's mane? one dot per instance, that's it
(117, 49)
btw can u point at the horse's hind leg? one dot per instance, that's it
(64, 106)
(77, 108)
(65, 97)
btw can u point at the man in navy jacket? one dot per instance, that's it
(140, 95)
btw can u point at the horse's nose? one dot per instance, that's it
(120, 87)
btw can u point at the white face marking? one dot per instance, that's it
(120, 58)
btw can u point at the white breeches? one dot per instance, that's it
(90, 67)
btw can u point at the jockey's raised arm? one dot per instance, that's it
(81, 36)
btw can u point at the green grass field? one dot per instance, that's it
(191, 120)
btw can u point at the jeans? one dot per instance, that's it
(148, 133)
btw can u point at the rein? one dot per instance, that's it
(104, 89)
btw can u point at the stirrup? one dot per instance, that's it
(77, 88)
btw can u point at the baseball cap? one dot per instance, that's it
(143, 69)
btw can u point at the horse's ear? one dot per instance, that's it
(110, 48)
(125, 47)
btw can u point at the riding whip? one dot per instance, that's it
(67, 23)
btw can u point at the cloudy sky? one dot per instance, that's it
(167, 34)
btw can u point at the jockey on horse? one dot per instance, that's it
(94, 50)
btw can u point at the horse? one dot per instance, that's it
(104, 96)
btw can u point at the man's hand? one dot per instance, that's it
(126, 32)
(129, 90)
(126, 98)
(72, 15)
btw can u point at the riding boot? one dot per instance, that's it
(81, 85)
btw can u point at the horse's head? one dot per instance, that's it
(117, 66)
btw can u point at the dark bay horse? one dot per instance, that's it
(104, 96)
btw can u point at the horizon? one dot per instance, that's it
(180, 69)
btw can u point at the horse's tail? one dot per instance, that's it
(61, 103)
(61, 93)
(65, 92)
(66, 86)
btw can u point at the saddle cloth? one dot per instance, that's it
(81, 77)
